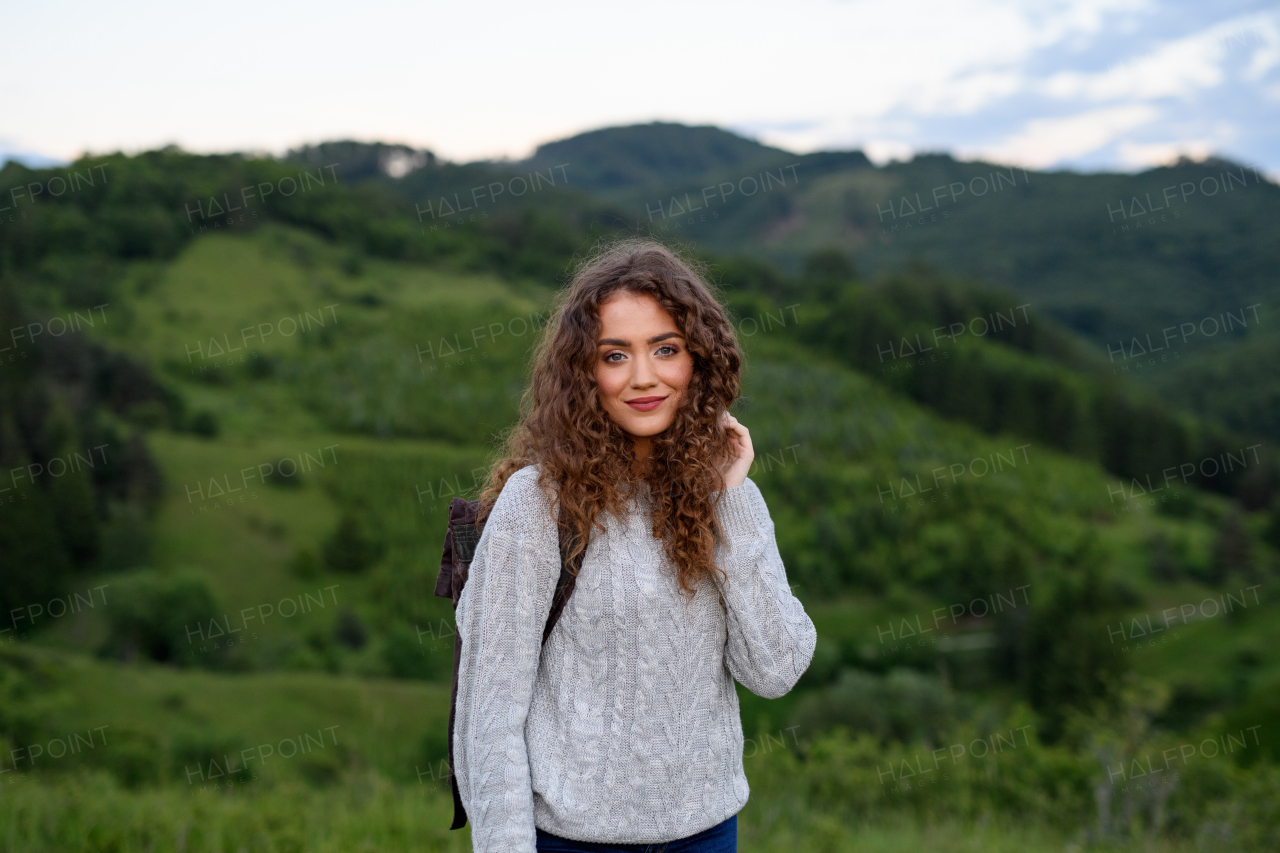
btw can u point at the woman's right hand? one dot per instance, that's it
(734, 470)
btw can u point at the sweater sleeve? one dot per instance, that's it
(501, 614)
(770, 637)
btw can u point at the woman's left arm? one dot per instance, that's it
(771, 638)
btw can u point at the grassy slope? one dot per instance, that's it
(849, 438)
(812, 422)
(837, 425)
(381, 723)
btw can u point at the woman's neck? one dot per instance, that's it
(642, 445)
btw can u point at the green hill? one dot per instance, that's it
(1121, 259)
(311, 387)
(626, 160)
(1083, 246)
(1114, 257)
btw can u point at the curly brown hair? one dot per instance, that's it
(583, 455)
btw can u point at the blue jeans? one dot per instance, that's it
(721, 838)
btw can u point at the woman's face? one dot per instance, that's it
(642, 365)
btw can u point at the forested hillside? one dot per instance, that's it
(1169, 273)
(265, 381)
(1110, 255)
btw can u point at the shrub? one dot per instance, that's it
(205, 424)
(278, 477)
(197, 755)
(348, 549)
(305, 563)
(406, 656)
(904, 705)
(349, 631)
(170, 619)
(134, 756)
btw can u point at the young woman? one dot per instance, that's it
(622, 733)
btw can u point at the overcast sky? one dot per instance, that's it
(1084, 84)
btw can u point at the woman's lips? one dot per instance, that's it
(645, 404)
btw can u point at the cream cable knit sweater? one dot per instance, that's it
(625, 727)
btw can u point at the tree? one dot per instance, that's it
(826, 271)
(1233, 549)
(1071, 659)
(170, 619)
(348, 549)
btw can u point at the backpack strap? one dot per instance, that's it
(460, 539)
(568, 576)
(460, 542)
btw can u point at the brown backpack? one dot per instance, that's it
(460, 543)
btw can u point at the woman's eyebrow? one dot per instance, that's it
(618, 342)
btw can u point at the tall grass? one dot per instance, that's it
(828, 794)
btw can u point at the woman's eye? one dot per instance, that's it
(673, 349)
(610, 357)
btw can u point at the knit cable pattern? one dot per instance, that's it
(624, 727)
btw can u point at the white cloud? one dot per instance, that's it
(1048, 141)
(887, 136)
(881, 151)
(1062, 20)
(1266, 35)
(1175, 70)
(1144, 155)
(1179, 68)
(968, 94)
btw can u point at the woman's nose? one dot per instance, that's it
(642, 373)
